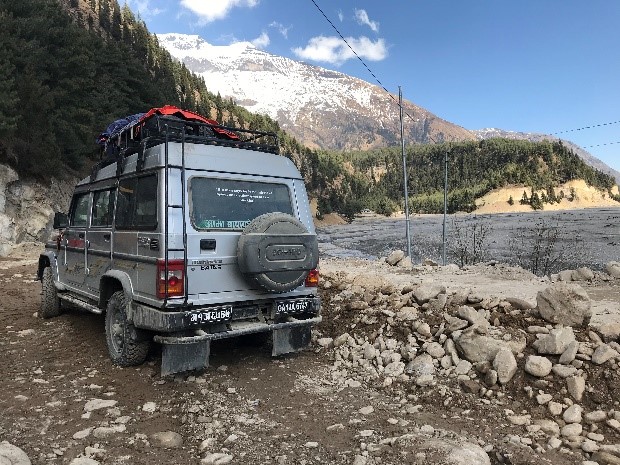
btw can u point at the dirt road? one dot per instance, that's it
(60, 398)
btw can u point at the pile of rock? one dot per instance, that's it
(421, 335)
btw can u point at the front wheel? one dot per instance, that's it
(124, 345)
(50, 303)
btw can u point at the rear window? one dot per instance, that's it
(233, 204)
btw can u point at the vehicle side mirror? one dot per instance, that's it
(60, 220)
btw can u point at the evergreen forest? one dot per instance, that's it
(70, 67)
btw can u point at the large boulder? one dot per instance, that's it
(566, 304)
(12, 455)
(613, 269)
(476, 347)
(395, 257)
(428, 291)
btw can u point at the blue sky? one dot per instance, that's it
(529, 65)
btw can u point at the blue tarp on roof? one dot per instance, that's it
(117, 127)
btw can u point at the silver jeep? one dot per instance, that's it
(184, 237)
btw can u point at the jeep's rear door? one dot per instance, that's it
(221, 205)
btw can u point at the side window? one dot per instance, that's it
(137, 203)
(79, 210)
(103, 205)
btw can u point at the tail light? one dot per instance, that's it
(312, 280)
(174, 283)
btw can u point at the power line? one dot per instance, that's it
(601, 145)
(364, 63)
(592, 126)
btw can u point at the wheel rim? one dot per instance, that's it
(116, 331)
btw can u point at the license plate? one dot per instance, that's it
(293, 306)
(212, 315)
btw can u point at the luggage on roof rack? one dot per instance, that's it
(135, 133)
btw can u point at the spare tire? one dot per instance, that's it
(276, 251)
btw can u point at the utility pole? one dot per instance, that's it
(402, 144)
(445, 204)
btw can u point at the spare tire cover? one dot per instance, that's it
(276, 251)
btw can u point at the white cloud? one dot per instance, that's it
(281, 28)
(211, 10)
(362, 18)
(334, 51)
(340, 16)
(261, 41)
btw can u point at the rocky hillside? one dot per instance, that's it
(27, 208)
(322, 108)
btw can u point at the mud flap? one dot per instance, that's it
(289, 340)
(177, 358)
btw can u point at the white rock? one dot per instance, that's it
(573, 414)
(82, 434)
(311, 445)
(325, 342)
(435, 350)
(595, 417)
(105, 432)
(564, 371)
(463, 367)
(569, 354)
(576, 386)
(12, 455)
(572, 429)
(556, 342)
(555, 408)
(543, 399)
(538, 366)
(549, 427)
(602, 354)
(505, 365)
(589, 446)
(366, 410)
(217, 458)
(98, 404)
(149, 407)
(167, 440)
(566, 304)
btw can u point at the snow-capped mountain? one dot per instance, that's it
(321, 108)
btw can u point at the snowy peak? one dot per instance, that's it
(320, 107)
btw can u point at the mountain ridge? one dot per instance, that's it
(324, 108)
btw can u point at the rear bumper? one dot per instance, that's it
(239, 329)
(244, 316)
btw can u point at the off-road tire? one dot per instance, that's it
(125, 347)
(251, 252)
(50, 303)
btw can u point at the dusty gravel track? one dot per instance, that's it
(247, 405)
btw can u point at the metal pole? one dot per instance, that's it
(402, 144)
(445, 204)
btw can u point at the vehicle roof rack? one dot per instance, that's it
(137, 133)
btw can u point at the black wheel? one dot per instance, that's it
(125, 346)
(50, 303)
(276, 251)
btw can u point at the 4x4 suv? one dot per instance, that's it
(189, 232)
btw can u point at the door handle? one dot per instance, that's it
(81, 235)
(106, 237)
